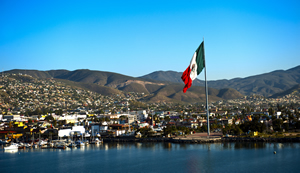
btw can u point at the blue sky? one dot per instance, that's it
(135, 38)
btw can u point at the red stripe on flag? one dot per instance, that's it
(186, 79)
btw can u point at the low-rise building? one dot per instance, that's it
(75, 130)
(12, 117)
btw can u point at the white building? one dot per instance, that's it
(103, 128)
(72, 118)
(79, 130)
(141, 115)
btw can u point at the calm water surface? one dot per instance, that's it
(157, 157)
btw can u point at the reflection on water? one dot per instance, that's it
(157, 157)
(182, 146)
(138, 145)
(257, 145)
(244, 145)
(11, 151)
(166, 146)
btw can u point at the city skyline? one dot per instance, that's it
(136, 38)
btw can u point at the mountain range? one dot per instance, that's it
(265, 84)
(166, 86)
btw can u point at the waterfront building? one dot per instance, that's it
(75, 130)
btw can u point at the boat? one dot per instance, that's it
(97, 141)
(60, 145)
(51, 144)
(28, 145)
(4, 141)
(72, 145)
(86, 142)
(41, 143)
(12, 146)
(34, 146)
(44, 146)
(79, 143)
(21, 145)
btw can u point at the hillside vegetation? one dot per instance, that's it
(107, 83)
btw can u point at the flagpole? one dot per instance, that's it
(206, 92)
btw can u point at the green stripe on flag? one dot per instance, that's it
(200, 58)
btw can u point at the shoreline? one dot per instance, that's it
(201, 140)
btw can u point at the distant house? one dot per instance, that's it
(143, 124)
(194, 124)
(202, 122)
(114, 116)
(222, 113)
(160, 114)
(118, 129)
(237, 122)
(70, 118)
(225, 121)
(12, 117)
(107, 112)
(141, 115)
(79, 130)
(103, 127)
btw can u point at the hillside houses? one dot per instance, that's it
(46, 103)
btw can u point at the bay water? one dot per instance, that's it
(157, 157)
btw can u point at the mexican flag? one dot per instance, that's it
(195, 67)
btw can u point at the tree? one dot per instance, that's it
(49, 118)
(297, 125)
(54, 123)
(279, 108)
(277, 124)
(167, 130)
(107, 119)
(38, 111)
(237, 130)
(203, 128)
(254, 125)
(29, 121)
(181, 117)
(291, 116)
(122, 117)
(167, 118)
(271, 111)
(146, 131)
(286, 126)
(59, 112)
